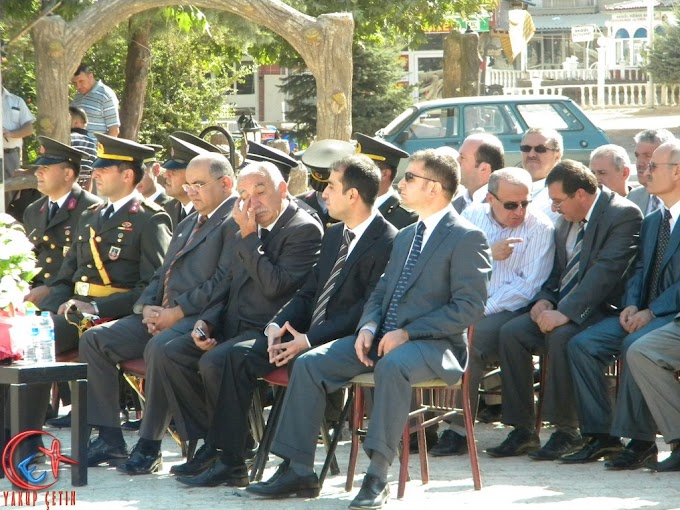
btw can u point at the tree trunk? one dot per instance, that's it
(137, 67)
(461, 64)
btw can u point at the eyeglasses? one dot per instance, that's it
(652, 166)
(195, 188)
(556, 205)
(409, 176)
(540, 149)
(511, 206)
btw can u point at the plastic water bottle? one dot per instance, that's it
(46, 338)
(31, 346)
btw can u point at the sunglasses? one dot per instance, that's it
(409, 176)
(511, 206)
(540, 149)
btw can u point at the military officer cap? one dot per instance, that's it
(320, 156)
(114, 151)
(260, 152)
(53, 152)
(181, 152)
(378, 149)
(198, 142)
(156, 148)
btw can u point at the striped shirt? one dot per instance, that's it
(80, 139)
(516, 280)
(101, 106)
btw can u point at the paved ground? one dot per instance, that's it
(507, 484)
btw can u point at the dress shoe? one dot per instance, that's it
(520, 441)
(671, 463)
(204, 458)
(431, 439)
(287, 483)
(142, 462)
(634, 456)
(372, 495)
(132, 425)
(594, 449)
(63, 422)
(450, 443)
(560, 443)
(98, 452)
(232, 474)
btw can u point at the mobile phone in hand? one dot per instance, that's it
(201, 334)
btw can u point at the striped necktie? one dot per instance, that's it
(662, 243)
(321, 303)
(570, 278)
(390, 321)
(166, 298)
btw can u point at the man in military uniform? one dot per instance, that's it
(52, 220)
(149, 186)
(386, 156)
(318, 158)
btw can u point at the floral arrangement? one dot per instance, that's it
(17, 264)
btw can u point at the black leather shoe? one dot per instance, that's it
(372, 495)
(450, 443)
(594, 450)
(519, 441)
(204, 458)
(142, 462)
(63, 422)
(99, 452)
(634, 456)
(132, 425)
(667, 465)
(234, 475)
(431, 439)
(560, 443)
(286, 484)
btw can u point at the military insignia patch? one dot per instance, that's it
(71, 204)
(114, 253)
(134, 207)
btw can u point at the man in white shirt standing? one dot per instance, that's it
(479, 156)
(17, 124)
(522, 247)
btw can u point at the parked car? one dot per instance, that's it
(432, 124)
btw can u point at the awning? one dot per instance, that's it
(564, 22)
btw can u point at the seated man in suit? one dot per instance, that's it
(413, 328)
(328, 306)
(646, 142)
(270, 256)
(652, 299)
(386, 157)
(523, 248)
(596, 240)
(611, 165)
(195, 264)
(653, 361)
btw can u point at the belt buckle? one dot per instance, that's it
(82, 288)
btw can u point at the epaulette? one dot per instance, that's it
(150, 204)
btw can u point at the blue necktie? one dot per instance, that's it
(390, 322)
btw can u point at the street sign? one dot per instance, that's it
(583, 33)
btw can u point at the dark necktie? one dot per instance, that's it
(182, 213)
(390, 322)
(165, 301)
(662, 243)
(108, 213)
(54, 207)
(321, 303)
(263, 234)
(570, 278)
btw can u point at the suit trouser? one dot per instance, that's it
(331, 366)
(106, 345)
(484, 350)
(652, 362)
(590, 352)
(521, 339)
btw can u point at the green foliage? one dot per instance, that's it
(663, 61)
(377, 95)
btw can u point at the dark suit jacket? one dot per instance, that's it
(393, 212)
(199, 266)
(668, 300)
(610, 243)
(263, 276)
(132, 245)
(162, 199)
(356, 281)
(174, 209)
(51, 240)
(639, 197)
(445, 293)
